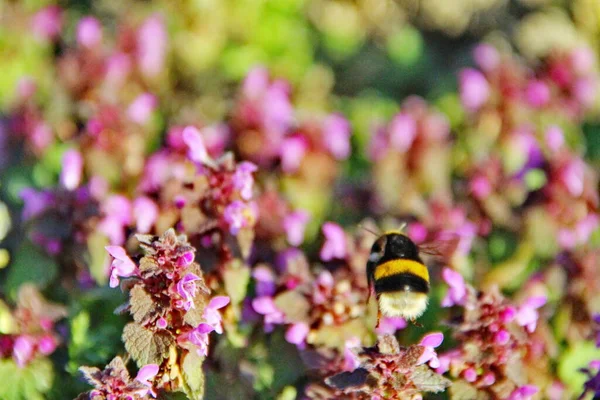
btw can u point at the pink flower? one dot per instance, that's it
(294, 225)
(185, 259)
(240, 215)
(199, 337)
(47, 344)
(141, 109)
(296, 334)
(585, 91)
(278, 113)
(527, 315)
(537, 93)
(335, 242)
(23, 350)
(486, 57)
(265, 305)
(121, 266)
(292, 152)
(89, 32)
(118, 67)
(193, 139)
(117, 215)
(403, 131)
(523, 393)
(351, 361)
(72, 168)
(572, 176)
(161, 323)
(211, 313)
(389, 325)
(243, 180)
(480, 186)
(554, 138)
(457, 291)
(152, 46)
(470, 375)
(47, 23)
(417, 232)
(145, 213)
(474, 89)
(256, 82)
(186, 288)
(429, 342)
(145, 375)
(583, 60)
(336, 133)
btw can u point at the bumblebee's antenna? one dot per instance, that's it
(369, 230)
(402, 226)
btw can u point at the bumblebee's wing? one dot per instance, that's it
(370, 278)
(442, 248)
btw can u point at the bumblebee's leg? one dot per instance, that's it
(378, 317)
(415, 323)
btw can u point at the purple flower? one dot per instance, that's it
(292, 152)
(335, 242)
(403, 131)
(294, 225)
(474, 89)
(527, 315)
(145, 213)
(429, 342)
(89, 32)
(523, 393)
(34, 202)
(537, 94)
(265, 305)
(486, 57)
(199, 337)
(457, 291)
(389, 325)
(296, 334)
(152, 46)
(72, 168)
(211, 313)
(186, 288)
(23, 350)
(121, 266)
(265, 280)
(240, 215)
(141, 109)
(47, 23)
(243, 180)
(197, 150)
(336, 131)
(145, 374)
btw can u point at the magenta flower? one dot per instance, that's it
(389, 325)
(47, 23)
(417, 232)
(211, 313)
(23, 350)
(474, 89)
(141, 109)
(145, 213)
(89, 32)
(72, 168)
(403, 130)
(152, 46)
(193, 139)
(430, 342)
(186, 288)
(527, 314)
(537, 94)
(524, 393)
(486, 57)
(265, 305)
(243, 180)
(47, 344)
(199, 337)
(294, 225)
(186, 259)
(240, 215)
(162, 323)
(121, 266)
(145, 375)
(296, 334)
(293, 150)
(457, 291)
(336, 131)
(335, 242)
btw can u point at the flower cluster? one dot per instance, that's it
(29, 332)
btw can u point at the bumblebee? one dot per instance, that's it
(398, 276)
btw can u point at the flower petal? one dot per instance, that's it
(432, 339)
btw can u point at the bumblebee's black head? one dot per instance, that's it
(393, 246)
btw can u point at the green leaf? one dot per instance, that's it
(29, 265)
(142, 306)
(193, 376)
(236, 277)
(146, 347)
(28, 383)
(576, 357)
(97, 256)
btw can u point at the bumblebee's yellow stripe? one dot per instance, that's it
(400, 266)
